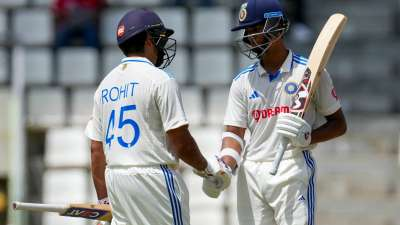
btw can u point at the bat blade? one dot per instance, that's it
(320, 55)
(317, 61)
(87, 211)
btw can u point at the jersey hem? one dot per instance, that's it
(90, 134)
(176, 125)
(93, 138)
(289, 154)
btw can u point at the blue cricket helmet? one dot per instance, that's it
(268, 13)
(142, 20)
(137, 21)
(254, 12)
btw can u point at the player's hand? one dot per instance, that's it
(210, 187)
(217, 176)
(105, 201)
(216, 167)
(102, 223)
(294, 128)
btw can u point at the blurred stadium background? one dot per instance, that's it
(46, 99)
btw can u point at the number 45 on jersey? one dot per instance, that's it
(123, 123)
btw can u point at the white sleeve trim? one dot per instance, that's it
(332, 109)
(176, 125)
(91, 133)
(240, 124)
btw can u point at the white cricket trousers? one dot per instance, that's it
(147, 196)
(288, 198)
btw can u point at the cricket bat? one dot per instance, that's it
(317, 61)
(88, 211)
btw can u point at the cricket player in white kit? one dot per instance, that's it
(259, 101)
(139, 130)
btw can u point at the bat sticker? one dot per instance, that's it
(303, 91)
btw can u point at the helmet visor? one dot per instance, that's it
(255, 42)
(165, 45)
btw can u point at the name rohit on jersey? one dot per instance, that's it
(259, 114)
(117, 93)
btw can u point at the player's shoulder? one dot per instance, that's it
(246, 71)
(152, 73)
(300, 63)
(160, 76)
(108, 78)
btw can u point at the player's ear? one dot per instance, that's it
(149, 43)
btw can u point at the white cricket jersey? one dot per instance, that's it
(256, 98)
(134, 106)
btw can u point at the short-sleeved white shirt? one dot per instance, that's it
(256, 98)
(134, 106)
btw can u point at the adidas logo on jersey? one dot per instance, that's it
(302, 198)
(254, 95)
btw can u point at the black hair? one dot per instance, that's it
(134, 44)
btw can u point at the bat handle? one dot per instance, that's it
(39, 207)
(279, 154)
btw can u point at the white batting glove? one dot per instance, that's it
(210, 187)
(216, 177)
(295, 128)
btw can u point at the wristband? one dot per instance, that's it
(234, 136)
(232, 153)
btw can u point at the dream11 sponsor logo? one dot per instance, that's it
(259, 114)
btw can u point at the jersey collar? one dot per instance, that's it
(285, 68)
(136, 59)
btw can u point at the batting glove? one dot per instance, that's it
(216, 177)
(295, 128)
(211, 187)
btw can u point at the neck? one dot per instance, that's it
(144, 55)
(137, 55)
(275, 56)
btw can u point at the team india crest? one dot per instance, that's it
(121, 31)
(243, 12)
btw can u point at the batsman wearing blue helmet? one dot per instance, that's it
(259, 101)
(139, 131)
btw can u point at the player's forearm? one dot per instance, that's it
(235, 144)
(191, 155)
(327, 132)
(99, 181)
(334, 127)
(185, 147)
(98, 166)
(232, 144)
